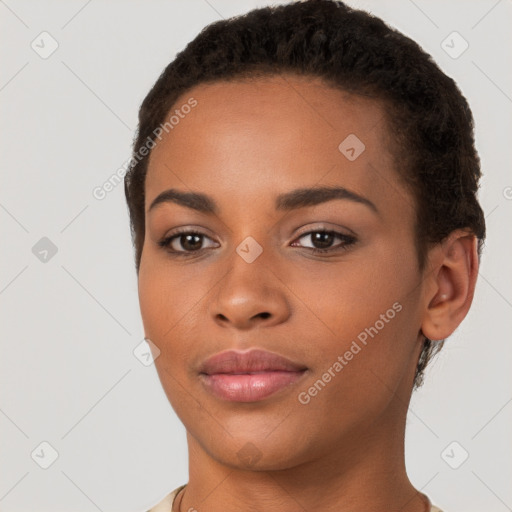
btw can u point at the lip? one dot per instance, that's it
(248, 376)
(252, 360)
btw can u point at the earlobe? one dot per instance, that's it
(450, 285)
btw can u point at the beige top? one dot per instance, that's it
(166, 504)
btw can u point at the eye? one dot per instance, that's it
(322, 241)
(184, 242)
(189, 242)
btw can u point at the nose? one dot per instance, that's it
(250, 295)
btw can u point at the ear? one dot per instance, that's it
(452, 271)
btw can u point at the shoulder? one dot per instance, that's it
(165, 505)
(435, 509)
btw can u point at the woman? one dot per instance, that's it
(303, 208)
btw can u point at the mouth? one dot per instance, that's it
(249, 376)
(250, 386)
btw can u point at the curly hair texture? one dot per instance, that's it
(429, 122)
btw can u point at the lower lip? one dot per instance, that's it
(249, 387)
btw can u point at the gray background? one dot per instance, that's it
(70, 324)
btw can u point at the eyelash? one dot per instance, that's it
(348, 240)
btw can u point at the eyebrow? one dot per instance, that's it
(295, 199)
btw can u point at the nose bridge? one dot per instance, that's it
(250, 293)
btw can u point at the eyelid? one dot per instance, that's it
(189, 228)
(323, 227)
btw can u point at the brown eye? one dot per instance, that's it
(190, 242)
(184, 243)
(322, 241)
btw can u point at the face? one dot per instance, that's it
(329, 281)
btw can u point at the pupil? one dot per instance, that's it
(189, 244)
(324, 239)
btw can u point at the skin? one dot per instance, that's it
(243, 144)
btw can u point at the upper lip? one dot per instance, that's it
(254, 360)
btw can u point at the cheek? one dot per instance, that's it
(364, 312)
(166, 306)
(342, 299)
(153, 308)
(172, 303)
(166, 295)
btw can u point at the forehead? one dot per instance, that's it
(265, 135)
